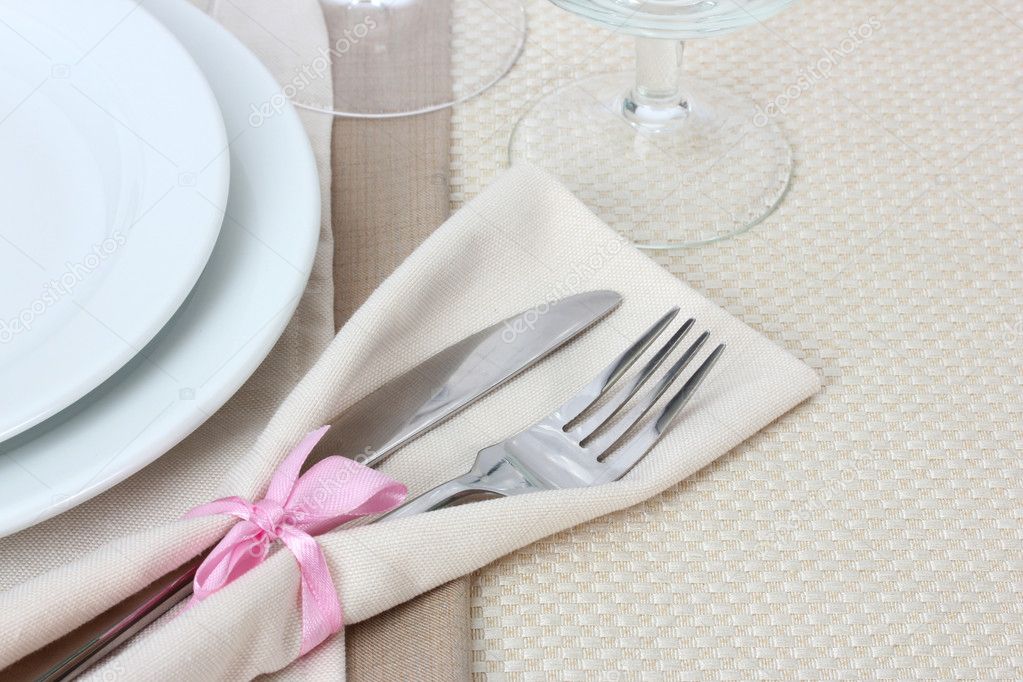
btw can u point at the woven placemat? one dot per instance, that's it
(875, 532)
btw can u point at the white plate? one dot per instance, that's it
(237, 310)
(112, 170)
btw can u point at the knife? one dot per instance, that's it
(416, 401)
(369, 431)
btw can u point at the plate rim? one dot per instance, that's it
(192, 255)
(307, 210)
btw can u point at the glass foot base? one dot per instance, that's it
(389, 58)
(716, 172)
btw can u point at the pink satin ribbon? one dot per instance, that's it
(333, 491)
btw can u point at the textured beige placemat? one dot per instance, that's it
(876, 532)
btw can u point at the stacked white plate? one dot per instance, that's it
(153, 242)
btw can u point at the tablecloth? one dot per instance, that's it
(875, 532)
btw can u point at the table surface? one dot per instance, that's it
(875, 532)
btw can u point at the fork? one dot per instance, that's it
(566, 449)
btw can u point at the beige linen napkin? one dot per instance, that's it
(523, 240)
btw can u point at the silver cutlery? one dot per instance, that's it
(369, 431)
(566, 449)
(409, 405)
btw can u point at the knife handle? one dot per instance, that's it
(69, 656)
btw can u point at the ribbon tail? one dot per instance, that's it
(321, 608)
(284, 477)
(338, 489)
(243, 548)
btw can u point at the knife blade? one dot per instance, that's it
(369, 431)
(437, 388)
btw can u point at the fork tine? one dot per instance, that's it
(622, 395)
(639, 445)
(602, 443)
(575, 405)
(679, 400)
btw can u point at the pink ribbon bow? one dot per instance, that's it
(333, 491)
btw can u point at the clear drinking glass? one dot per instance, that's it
(668, 159)
(389, 58)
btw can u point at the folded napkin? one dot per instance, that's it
(522, 241)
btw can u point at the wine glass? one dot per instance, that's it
(390, 58)
(667, 159)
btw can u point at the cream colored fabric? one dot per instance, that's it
(523, 240)
(875, 532)
(426, 639)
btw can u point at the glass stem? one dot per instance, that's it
(656, 99)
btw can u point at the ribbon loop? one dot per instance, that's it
(295, 508)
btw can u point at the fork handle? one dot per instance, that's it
(441, 496)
